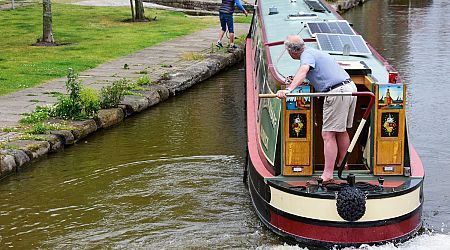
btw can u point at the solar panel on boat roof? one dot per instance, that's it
(315, 6)
(335, 43)
(333, 27)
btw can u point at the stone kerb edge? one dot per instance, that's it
(26, 151)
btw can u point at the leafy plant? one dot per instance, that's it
(43, 128)
(39, 114)
(79, 103)
(10, 129)
(90, 102)
(64, 108)
(112, 95)
(69, 106)
(38, 128)
(143, 80)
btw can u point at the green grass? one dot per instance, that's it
(93, 36)
(243, 19)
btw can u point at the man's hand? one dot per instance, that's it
(246, 13)
(282, 93)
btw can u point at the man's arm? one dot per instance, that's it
(298, 79)
(239, 5)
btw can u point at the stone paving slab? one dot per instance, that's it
(150, 59)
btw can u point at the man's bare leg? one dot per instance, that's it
(330, 151)
(343, 141)
(231, 38)
(221, 33)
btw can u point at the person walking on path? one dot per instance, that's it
(226, 20)
(326, 75)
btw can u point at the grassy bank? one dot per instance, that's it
(93, 35)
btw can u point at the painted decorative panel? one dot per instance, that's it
(300, 102)
(390, 96)
(389, 124)
(297, 125)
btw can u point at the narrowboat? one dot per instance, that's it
(378, 197)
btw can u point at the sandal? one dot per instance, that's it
(315, 181)
(330, 181)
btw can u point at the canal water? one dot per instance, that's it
(171, 177)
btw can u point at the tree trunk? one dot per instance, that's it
(139, 10)
(47, 36)
(132, 10)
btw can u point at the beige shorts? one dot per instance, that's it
(338, 111)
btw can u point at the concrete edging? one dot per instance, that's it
(21, 151)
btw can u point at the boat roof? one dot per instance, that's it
(278, 26)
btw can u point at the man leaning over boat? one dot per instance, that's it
(325, 75)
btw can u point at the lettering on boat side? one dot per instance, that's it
(269, 121)
(267, 104)
(264, 138)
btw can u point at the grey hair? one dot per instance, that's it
(294, 46)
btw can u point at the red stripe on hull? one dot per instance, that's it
(254, 149)
(416, 163)
(352, 236)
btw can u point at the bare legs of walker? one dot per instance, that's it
(219, 42)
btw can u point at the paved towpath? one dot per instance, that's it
(152, 60)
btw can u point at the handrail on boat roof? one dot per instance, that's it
(306, 40)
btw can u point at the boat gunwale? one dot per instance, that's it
(253, 144)
(331, 195)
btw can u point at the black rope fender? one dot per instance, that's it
(351, 203)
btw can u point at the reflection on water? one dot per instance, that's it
(171, 177)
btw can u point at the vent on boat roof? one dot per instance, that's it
(332, 27)
(342, 44)
(316, 6)
(301, 15)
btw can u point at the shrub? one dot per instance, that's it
(64, 108)
(90, 102)
(112, 95)
(38, 128)
(79, 102)
(69, 106)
